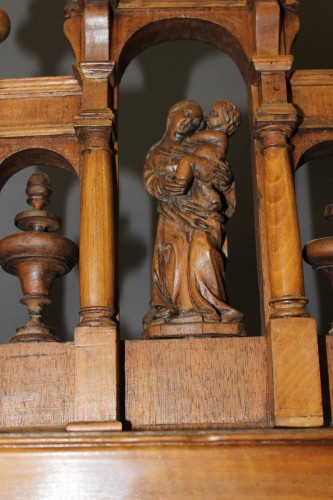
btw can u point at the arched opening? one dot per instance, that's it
(182, 28)
(153, 82)
(32, 156)
(314, 182)
(62, 314)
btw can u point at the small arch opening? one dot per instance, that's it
(314, 182)
(62, 314)
(148, 89)
(32, 156)
(178, 28)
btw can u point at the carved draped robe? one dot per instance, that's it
(189, 254)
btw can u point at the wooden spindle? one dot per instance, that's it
(97, 226)
(319, 253)
(37, 256)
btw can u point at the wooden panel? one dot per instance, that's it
(196, 382)
(312, 93)
(36, 384)
(294, 368)
(177, 4)
(38, 106)
(235, 465)
(95, 374)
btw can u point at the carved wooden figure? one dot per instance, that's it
(186, 171)
(37, 256)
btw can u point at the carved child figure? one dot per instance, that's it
(196, 197)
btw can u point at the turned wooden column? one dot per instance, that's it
(292, 344)
(293, 357)
(283, 237)
(97, 220)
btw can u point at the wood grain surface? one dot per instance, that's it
(295, 373)
(196, 383)
(229, 465)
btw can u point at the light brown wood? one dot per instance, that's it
(96, 386)
(312, 93)
(232, 465)
(37, 256)
(97, 239)
(294, 372)
(187, 172)
(196, 383)
(210, 383)
(36, 385)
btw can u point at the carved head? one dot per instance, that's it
(184, 118)
(224, 116)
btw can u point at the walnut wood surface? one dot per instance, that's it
(37, 384)
(258, 36)
(294, 372)
(187, 172)
(312, 93)
(233, 465)
(210, 383)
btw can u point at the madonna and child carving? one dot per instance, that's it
(188, 173)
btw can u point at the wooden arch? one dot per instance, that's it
(31, 157)
(178, 28)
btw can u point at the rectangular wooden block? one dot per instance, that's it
(327, 375)
(294, 372)
(96, 381)
(36, 384)
(194, 383)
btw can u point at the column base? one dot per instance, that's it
(294, 372)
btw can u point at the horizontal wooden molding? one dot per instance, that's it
(180, 4)
(44, 86)
(312, 78)
(39, 438)
(40, 131)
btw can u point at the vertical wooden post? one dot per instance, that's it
(97, 222)
(291, 335)
(96, 336)
(284, 245)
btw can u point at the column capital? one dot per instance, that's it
(93, 123)
(96, 71)
(272, 64)
(274, 135)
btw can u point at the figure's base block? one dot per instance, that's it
(197, 329)
(196, 383)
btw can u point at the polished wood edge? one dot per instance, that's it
(62, 85)
(94, 426)
(306, 421)
(183, 4)
(87, 440)
(317, 122)
(271, 64)
(197, 329)
(312, 77)
(67, 130)
(199, 427)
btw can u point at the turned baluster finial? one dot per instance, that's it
(4, 25)
(37, 256)
(319, 252)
